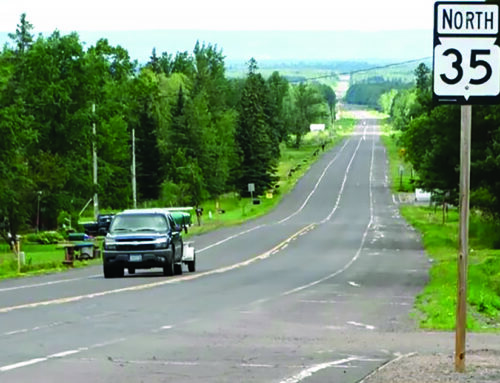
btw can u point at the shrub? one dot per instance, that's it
(45, 238)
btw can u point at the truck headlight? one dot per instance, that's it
(161, 243)
(109, 246)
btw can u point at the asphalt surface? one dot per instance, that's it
(319, 290)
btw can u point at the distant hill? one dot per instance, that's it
(240, 46)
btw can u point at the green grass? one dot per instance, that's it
(48, 258)
(39, 259)
(436, 304)
(401, 172)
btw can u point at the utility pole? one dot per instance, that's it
(94, 160)
(134, 184)
(39, 195)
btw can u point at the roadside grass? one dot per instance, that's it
(48, 258)
(436, 304)
(401, 172)
(39, 259)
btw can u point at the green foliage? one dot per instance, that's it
(386, 100)
(172, 194)
(369, 93)
(403, 109)
(45, 237)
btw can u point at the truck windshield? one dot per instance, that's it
(138, 222)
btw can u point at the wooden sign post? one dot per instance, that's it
(463, 237)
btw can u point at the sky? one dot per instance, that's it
(113, 15)
(263, 29)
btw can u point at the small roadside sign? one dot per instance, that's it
(466, 53)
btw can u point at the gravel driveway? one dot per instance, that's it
(482, 366)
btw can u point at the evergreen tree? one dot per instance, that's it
(278, 89)
(258, 165)
(23, 37)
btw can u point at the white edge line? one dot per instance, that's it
(304, 374)
(66, 353)
(22, 364)
(229, 238)
(61, 354)
(386, 365)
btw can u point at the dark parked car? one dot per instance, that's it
(100, 227)
(143, 239)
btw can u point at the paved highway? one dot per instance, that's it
(319, 290)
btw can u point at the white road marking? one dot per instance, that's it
(354, 284)
(15, 332)
(61, 354)
(304, 374)
(336, 328)
(257, 365)
(357, 324)
(36, 328)
(67, 353)
(46, 283)
(229, 238)
(22, 364)
(387, 364)
(157, 362)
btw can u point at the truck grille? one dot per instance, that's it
(135, 247)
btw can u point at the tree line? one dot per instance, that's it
(369, 91)
(430, 135)
(198, 133)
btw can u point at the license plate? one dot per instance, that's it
(135, 258)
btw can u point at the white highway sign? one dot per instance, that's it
(466, 53)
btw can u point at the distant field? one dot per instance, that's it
(293, 74)
(404, 73)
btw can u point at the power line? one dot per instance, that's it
(362, 70)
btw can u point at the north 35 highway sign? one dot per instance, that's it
(466, 53)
